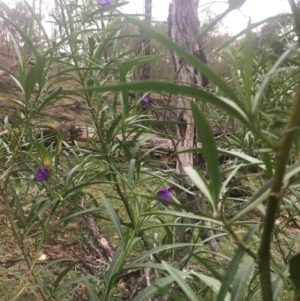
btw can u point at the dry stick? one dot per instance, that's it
(101, 240)
(147, 270)
(274, 200)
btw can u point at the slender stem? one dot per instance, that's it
(274, 199)
(103, 143)
(94, 117)
(238, 241)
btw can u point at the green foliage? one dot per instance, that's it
(113, 179)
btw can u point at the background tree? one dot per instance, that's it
(184, 26)
(18, 13)
(145, 47)
(184, 29)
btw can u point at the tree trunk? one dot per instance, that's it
(184, 28)
(145, 47)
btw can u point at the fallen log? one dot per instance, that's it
(69, 132)
(82, 134)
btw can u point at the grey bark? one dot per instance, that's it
(184, 28)
(145, 44)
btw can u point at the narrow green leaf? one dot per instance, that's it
(92, 43)
(78, 187)
(263, 192)
(20, 58)
(168, 292)
(124, 96)
(230, 106)
(52, 263)
(39, 69)
(18, 83)
(200, 182)
(113, 217)
(113, 129)
(92, 293)
(51, 99)
(229, 178)
(157, 250)
(168, 226)
(209, 150)
(71, 174)
(233, 266)
(17, 275)
(208, 265)
(199, 216)
(261, 195)
(150, 290)
(72, 281)
(62, 275)
(248, 65)
(18, 203)
(238, 291)
(213, 283)
(294, 268)
(273, 71)
(114, 268)
(78, 213)
(244, 157)
(177, 275)
(131, 171)
(46, 204)
(278, 282)
(68, 293)
(44, 153)
(268, 163)
(132, 243)
(103, 9)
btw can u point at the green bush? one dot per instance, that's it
(45, 180)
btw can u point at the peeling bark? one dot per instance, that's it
(184, 28)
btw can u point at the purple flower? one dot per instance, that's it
(105, 2)
(145, 101)
(164, 195)
(42, 174)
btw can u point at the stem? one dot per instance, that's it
(238, 241)
(94, 117)
(103, 143)
(274, 200)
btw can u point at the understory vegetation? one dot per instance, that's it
(91, 205)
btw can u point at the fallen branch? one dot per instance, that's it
(101, 240)
(70, 132)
